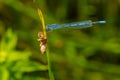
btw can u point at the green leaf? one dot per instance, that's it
(9, 41)
(18, 56)
(4, 74)
(28, 66)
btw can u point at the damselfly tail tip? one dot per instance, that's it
(99, 22)
(102, 22)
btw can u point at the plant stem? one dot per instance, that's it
(51, 76)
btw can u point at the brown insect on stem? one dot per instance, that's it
(43, 42)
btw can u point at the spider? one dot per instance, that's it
(43, 42)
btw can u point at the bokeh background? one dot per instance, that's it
(75, 54)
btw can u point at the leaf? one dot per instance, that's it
(28, 66)
(18, 56)
(4, 74)
(9, 41)
(42, 20)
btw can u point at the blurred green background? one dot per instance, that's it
(82, 54)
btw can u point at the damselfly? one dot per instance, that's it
(42, 36)
(76, 25)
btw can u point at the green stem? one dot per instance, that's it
(49, 66)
